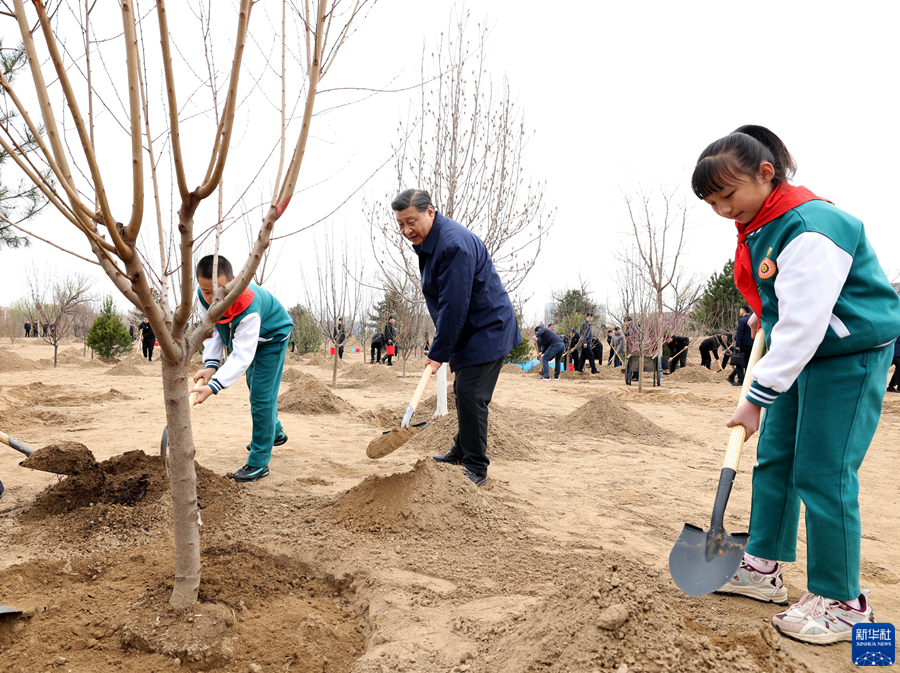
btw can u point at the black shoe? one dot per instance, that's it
(249, 473)
(449, 458)
(390, 364)
(477, 479)
(735, 383)
(279, 440)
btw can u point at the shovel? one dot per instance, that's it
(53, 459)
(14, 443)
(397, 437)
(164, 440)
(703, 561)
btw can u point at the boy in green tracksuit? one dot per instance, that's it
(830, 318)
(255, 329)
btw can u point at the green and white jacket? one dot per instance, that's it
(263, 321)
(823, 294)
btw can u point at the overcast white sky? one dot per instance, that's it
(617, 94)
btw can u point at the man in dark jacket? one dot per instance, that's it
(677, 346)
(550, 346)
(377, 345)
(585, 347)
(475, 324)
(148, 339)
(340, 336)
(709, 350)
(743, 344)
(390, 337)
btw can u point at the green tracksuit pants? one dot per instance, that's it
(812, 441)
(263, 379)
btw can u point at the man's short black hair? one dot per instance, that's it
(205, 267)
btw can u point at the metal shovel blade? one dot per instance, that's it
(703, 561)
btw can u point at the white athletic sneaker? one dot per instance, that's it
(765, 587)
(822, 621)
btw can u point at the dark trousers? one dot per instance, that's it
(585, 354)
(474, 387)
(341, 352)
(706, 357)
(895, 379)
(598, 355)
(387, 358)
(147, 347)
(372, 357)
(679, 361)
(553, 353)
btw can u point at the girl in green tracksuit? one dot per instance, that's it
(830, 318)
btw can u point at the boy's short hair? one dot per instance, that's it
(205, 267)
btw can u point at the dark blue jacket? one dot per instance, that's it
(473, 316)
(897, 348)
(546, 338)
(742, 338)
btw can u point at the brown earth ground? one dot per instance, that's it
(337, 562)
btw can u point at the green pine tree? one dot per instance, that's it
(522, 352)
(108, 334)
(717, 310)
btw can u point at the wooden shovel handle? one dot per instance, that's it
(194, 395)
(14, 443)
(420, 388)
(739, 432)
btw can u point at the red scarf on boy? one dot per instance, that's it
(781, 200)
(239, 306)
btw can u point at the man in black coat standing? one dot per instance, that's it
(475, 323)
(390, 337)
(743, 344)
(585, 346)
(148, 339)
(340, 336)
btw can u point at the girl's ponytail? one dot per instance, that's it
(784, 163)
(741, 153)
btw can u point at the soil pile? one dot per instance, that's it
(131, 480)
(510, 368)
(326, 361)
(125, 368)
(38, 394)
(289, 375)
(503, 441)
(695, 375)
(658, 394)
(430, 497)
(308, 396)
(607, 415)
(600, 622)
(376, 375)
(13, 362)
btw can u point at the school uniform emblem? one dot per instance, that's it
(766, 269)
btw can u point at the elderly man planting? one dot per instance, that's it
(474, 319)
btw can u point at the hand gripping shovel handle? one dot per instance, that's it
(14, 443)
(410, 410)
(735, 442)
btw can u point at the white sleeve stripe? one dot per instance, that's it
(761, 394)
(764, 399)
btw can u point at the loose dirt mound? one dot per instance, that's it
(607, 415)
(510, 368)
(326, 361)
(289, 375)
(430, 497)
(308, 396)
(13, 362)
(503, 441)
(600, 622)
(377, 375)
(132, 480)
(695, 375)
(658, 394)
(39, 395)
(125, 368)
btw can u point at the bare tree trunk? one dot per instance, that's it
(183, 478)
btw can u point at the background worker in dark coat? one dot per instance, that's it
(148, 339)
(678, 352)
(340, 336)
(550, 347)
(390, 339)
(475, 324)
(585, 347)
(709, 350)
(743, 344)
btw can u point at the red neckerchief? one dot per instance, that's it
(780, 201)
(237, 307)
